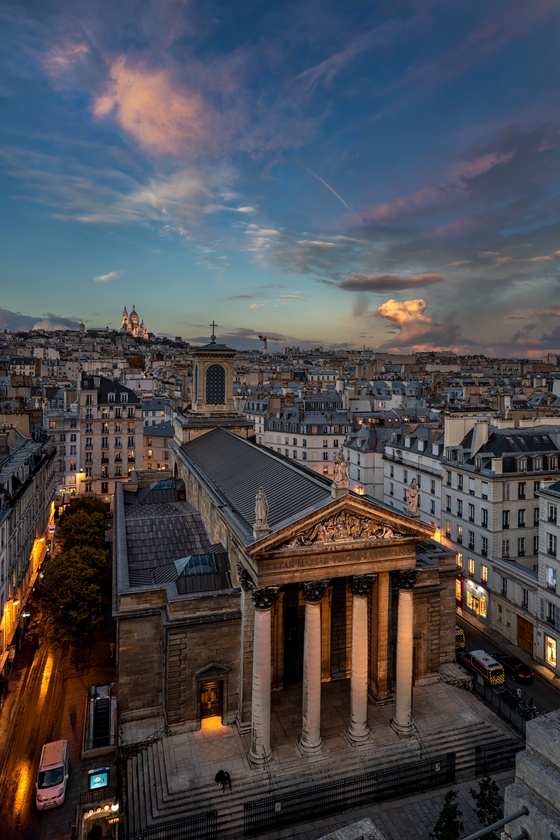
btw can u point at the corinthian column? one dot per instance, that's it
(260, 710)
(310, 741)
(402, 722)
(358, 731)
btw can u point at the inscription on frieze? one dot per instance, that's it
(343, 527)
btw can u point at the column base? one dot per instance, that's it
(357, 738)
(258, 760)
(403, 730)
(310, 749)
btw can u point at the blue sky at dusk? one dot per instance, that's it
(343, 174)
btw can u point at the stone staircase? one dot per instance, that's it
(155, 798)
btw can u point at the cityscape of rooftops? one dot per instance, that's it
(336, 175)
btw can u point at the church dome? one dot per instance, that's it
(134, 315)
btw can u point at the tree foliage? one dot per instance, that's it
(81, 529)
(449, 824)
(488, 803)
(69, 593)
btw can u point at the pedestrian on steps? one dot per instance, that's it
(227, 780)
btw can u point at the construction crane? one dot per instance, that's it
(264, 339)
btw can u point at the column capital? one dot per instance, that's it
(245, 580)
(407, 578)
(263, 598)
(361, 584)
(313, 590)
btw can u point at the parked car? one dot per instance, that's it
(515, 669)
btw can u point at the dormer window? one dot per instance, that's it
(522, 465)
(124, 397)
(111, 398)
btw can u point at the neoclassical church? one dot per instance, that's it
(131, 324)
(248, 574)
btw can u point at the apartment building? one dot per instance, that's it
(547, 647)
(491, 516)
(312, 431)
(27, 485)
(62, 425)
(111, 439)
(414, 452)
(157, 446)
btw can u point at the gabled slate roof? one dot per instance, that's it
(237, 469)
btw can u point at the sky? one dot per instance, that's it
(324, 173)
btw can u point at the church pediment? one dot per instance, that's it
(342, 523)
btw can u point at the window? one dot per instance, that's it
(73, 438)
(391, 471)
(88, 486)
(506, 490)
(471, 540)
(104, 443)
(460, 507)
(471, 513)
(131, 456)
(552, 512)
(550, 651)
(521, 546)
(484, 517)
(104, 413)
(294, 454)
(118, 456)
(550, 578)
(551, 544)
(471, 567)
(484, 546)
(304, 442)
(536, 545)
(304, 456)
(459, 560)
(89, 428)
(505, 549)
(484, 574)
(118, 442)
(130, 412)
(294, 441)
(89, 458)
(62, 438)
(104, 428)
(405, 476)
(118, 471)
(448, 528)
(448, 478)
(131, 441)
(325, 470)
(124, 397)
(553, 462)
(89, 414)
(89, 399)
(536, 487)
(535, 516)
(521, 490)
(117, 413)
(104, 486)
(459, 533)
(432, 506)
(52, 424)
(151, 453)
(166, 456)
(104, 472)
(89, 443)
(521, 518)
(484, 491)
(550, 613)
(325, 443)
(537, 463)
(325, 456)
(471, 486)
(505, 519)
(525, 599)
(111, 397)
(391, 489)
(459, 482)
(335, 444)
(73, 449)
(432, 486)
(504, 586)
(448, 504)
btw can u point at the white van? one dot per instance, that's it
(52, 777)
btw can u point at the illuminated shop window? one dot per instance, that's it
(550, 651)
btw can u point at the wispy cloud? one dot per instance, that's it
(104, 278)
(387, 282)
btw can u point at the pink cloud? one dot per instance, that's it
(469, 169)
(146, 106)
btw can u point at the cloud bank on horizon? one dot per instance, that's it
(380, 174)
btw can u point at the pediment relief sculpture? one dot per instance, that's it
(342, 527)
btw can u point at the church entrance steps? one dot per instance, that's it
(173, 777)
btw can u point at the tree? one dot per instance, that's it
(449, 824)
(81, 529)
(488, 803)
(69, 593)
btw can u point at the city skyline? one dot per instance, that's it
(343, 175)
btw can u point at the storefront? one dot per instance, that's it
(551, 651)
(476, 599)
